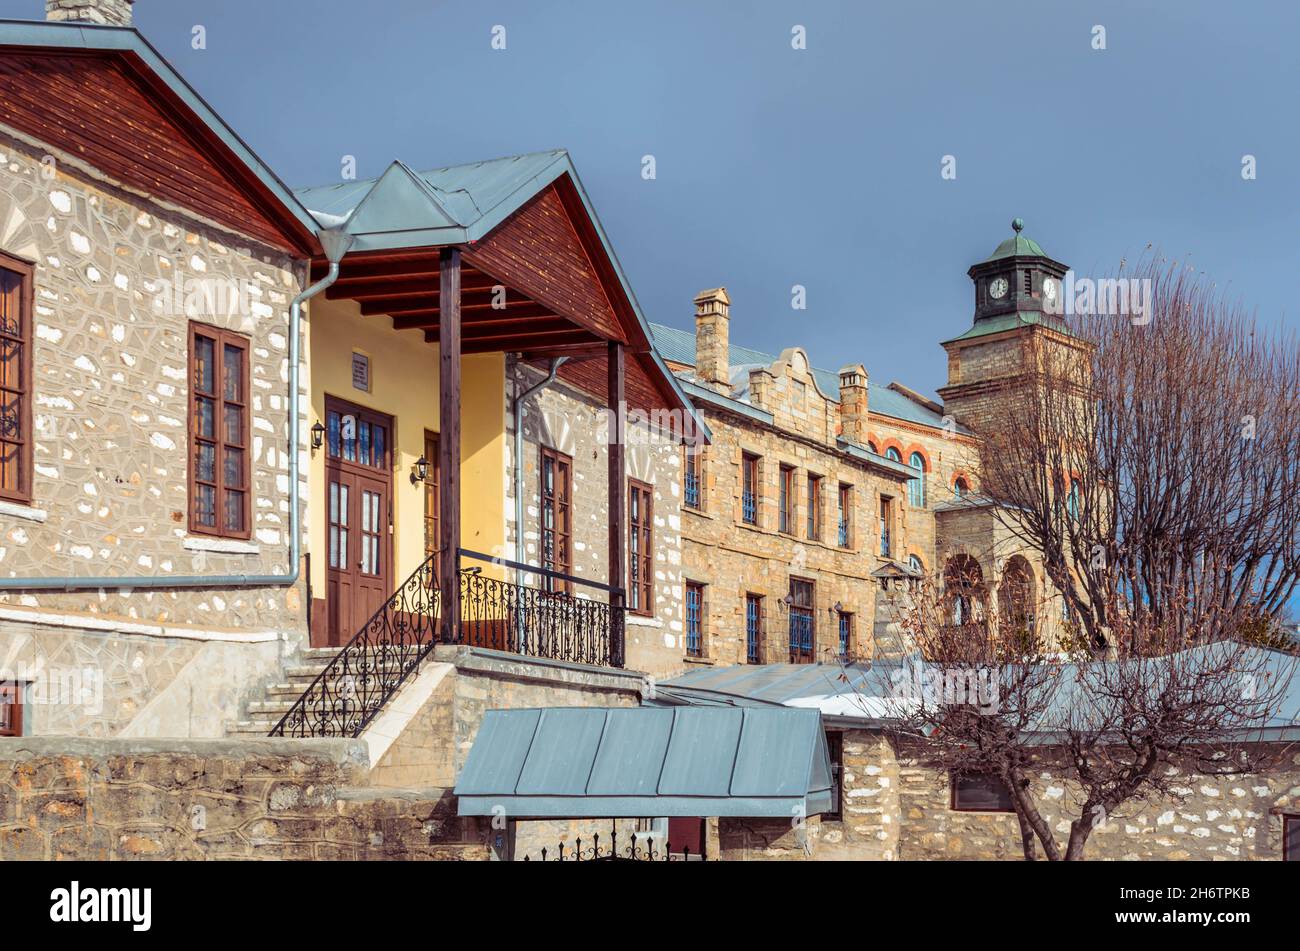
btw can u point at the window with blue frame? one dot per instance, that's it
(753, 628)
(1072, 501)
(916, 486)
(846, 633)
(694, 619)
(802, 632)
(846, 506)
(749, 489)
(693, 490)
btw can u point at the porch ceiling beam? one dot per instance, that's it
(515, 340)
(428, 319)
(425, 265)
(470, 301)
(419, 285)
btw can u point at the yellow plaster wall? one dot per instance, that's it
(404, 384)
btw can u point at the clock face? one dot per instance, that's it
(1051, 290)
(998, 288)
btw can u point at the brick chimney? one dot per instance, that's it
(853, 403)
(712, 338)
(104, 12)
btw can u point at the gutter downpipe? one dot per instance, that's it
(556, 363)
(335, 243)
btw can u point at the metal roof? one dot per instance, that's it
(85, 36)
(593, 762)
(453, 205)
(678, 346)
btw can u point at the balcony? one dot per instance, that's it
(580, 622)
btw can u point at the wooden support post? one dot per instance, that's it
(449, 443)
(617, 501)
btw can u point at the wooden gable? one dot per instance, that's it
(538, 250)
(110, 111)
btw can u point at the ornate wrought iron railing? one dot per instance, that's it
(356, 684)
(560, 624)
(497, 614)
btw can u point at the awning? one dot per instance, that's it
(571, 762)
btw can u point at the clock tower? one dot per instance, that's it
(1017, 295)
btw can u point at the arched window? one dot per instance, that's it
(892, 453)
(914, 562)
(961, 488)
(963, 588)
(916, 486)
(872, 447)
(1016, 597)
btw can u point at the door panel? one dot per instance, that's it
(358, 485)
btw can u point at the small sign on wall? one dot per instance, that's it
(360, 371)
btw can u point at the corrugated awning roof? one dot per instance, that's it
(570, 762)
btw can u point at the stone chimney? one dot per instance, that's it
(104, 12)
(712, 338)
(761, 382)
(853, 403)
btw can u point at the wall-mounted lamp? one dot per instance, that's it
(838, 609)
(419, 471)
(317, 436)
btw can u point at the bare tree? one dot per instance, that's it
(1154, 466)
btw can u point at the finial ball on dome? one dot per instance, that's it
(1017, 225)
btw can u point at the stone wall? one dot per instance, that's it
(216, 799)
(114, 292)
(1207, 818)
(563, 418)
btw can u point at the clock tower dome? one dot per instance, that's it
(1018, 293)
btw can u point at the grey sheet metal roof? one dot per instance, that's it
(585, 762)
(453, 205)
(678, 346)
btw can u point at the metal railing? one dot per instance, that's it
(557, 625)
(357, 683)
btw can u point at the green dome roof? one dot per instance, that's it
(1017, 244)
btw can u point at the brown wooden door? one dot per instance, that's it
(358, 495)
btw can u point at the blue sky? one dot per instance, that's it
(818, 167)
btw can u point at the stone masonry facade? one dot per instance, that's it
(117, 282)
(566, 419)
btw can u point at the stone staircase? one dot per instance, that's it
(264, 714)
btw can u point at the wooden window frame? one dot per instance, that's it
(1290, 823)
(845, 516)
(693, 462)
(886, 521)
(845, 644)
(25, 391)
(11, 699)
(702, 649)
(562, 553)
(220, 338)
(815, 527)
(797, 656)
(786, 509)
(641, 585)
(750, 472)
(954, 779)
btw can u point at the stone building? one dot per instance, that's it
(820, 489)
(250, 431)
